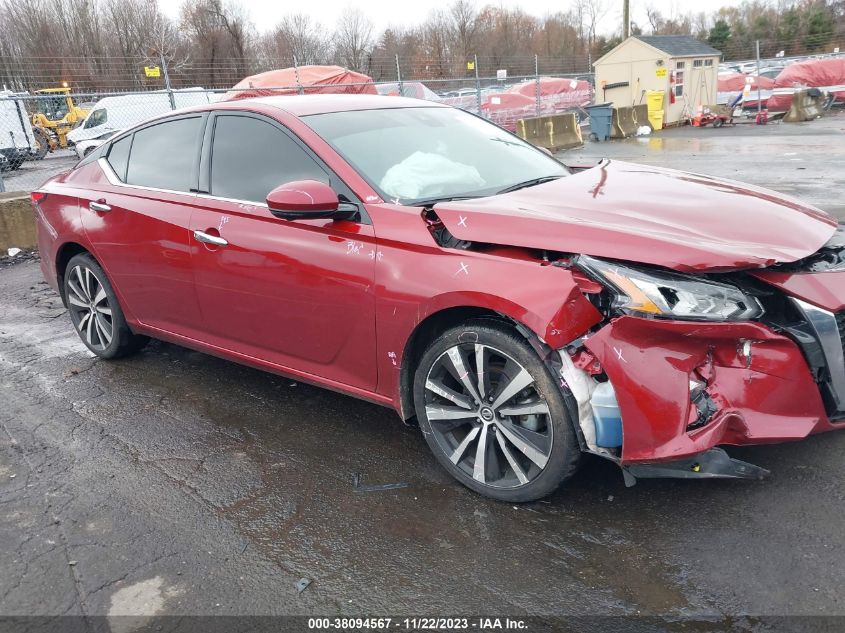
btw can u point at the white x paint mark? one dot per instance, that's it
(463, 269)
(619, 354)
(463, 221)
(353, 247)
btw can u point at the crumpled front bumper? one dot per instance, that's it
(758, 380)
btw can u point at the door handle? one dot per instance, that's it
(205, 238)
(100, 207)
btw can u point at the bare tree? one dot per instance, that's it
(104, 44)
(353, 38)
(221, 39)
(592, 13)
(298, 38)
(464, 19)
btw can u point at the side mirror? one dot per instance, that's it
(303, 200)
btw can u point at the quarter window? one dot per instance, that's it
(163, 155)
(250, 158)
(119, 156)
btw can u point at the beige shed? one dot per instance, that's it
(679, 65)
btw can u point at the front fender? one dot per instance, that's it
(546, 299)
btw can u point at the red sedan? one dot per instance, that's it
(520, 312)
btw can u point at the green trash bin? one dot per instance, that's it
(601, 117)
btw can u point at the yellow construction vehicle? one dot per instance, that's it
(54, 114)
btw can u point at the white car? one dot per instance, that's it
(83, 148)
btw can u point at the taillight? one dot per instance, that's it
(37, 196)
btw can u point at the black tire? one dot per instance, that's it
(12, 163)
(43, 144)
(95, 312)
(552, 433)
(718, 123)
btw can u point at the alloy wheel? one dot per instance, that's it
(90, 309)
(487, 415)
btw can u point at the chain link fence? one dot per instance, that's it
(45, 129)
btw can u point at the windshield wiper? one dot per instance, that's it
(429, 202)
(528, 183)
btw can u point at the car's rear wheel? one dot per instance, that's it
(493, 415)
(95, 311)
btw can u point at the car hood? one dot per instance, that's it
(647, 214)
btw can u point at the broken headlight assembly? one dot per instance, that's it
(663, 294)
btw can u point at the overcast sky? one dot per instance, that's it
(384, 13)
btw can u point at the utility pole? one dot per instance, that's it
(759, 104)
(477, 83)
(167, 79)
(626, 19)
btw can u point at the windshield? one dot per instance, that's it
(96, 118)
(414, 154)
(53, 107)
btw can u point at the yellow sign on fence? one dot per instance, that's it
(152, 71)
(470, 65)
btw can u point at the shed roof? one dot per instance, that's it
(678, 45)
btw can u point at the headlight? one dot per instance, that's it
(671, 295)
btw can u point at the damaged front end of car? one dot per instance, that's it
(684, 363)
(720, 309)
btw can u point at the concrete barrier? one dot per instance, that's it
(554, 132)
(17, 222)
(806, 105)
(622, 122)
(627, 120)
(641, 116)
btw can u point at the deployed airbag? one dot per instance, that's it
(427, 174)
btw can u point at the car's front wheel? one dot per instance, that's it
(493, 414)
(95, 312)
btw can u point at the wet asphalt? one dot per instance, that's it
(175, 483)
(804, 160)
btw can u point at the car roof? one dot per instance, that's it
(301, 105)
(304, 105)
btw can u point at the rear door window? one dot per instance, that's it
(251, 157)
(163, 155)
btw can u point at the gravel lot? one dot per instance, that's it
(173, 483)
